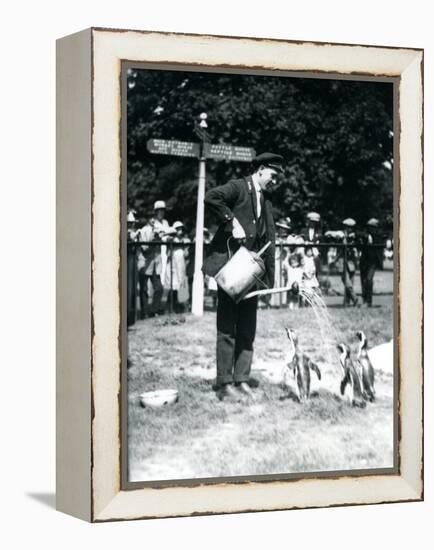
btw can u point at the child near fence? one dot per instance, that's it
(293, 266)
(309, 281)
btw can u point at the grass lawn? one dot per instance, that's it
(383, 282)
(200, 436)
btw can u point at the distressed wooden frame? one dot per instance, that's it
(89, 476)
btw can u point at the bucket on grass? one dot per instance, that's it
(158, 398)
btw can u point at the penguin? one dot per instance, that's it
(368, 374)
(301, 365)
(351, 376)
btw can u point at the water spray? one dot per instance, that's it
(314, 299)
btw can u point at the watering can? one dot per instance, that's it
(243, 270)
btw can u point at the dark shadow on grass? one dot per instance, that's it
(292, 395)
(289, 394)
(326, 394)
(48, 499)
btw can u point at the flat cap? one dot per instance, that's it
(176, 225)
(349, 222)
(313, 217)
(159, 205)
(373, 222)
(271, 160)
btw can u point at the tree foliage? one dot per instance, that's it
(336, 137)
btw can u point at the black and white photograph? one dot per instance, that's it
(259, 260)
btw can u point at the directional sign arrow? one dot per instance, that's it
(223, 151)
(173, 147)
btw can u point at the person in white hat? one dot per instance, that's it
(349, 270)
(371, 259)
(175, 277)
(312, 235)
(347, 236)
(131, 268)
(311, 232)
(158, 222)
(131, 225)
(178, 226)
(152, 261)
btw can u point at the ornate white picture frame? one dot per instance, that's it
(89, 336)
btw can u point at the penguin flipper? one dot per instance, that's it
(345, 381)
(313, 366)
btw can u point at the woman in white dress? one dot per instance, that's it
(175, 276)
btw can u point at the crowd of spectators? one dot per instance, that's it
(161, 262)
(309, 256)
(305, 257)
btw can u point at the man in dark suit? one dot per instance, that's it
(371, 259)
(243, 210)
(312, 235)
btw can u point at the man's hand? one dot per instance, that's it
(238, 232)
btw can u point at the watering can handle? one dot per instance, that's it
(263, 249)
(227, 246)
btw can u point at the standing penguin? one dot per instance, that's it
(351, 377)
(368, 374)
(301, 365)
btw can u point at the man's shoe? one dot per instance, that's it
(228, 393)
(245, 388)
(253, 383)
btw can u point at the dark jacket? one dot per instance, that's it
(237, 198)
(304, 232)
(370, 256)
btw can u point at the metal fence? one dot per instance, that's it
(144, 275)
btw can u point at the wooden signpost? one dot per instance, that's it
(201, 151)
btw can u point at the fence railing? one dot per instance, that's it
(160, 274)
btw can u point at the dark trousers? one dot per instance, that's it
(144, 297)
(131, 286)
(367, 272)
(173, 302)
(317, 261)
(236, 329)
(350, 295)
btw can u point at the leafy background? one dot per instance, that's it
(336, 137)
